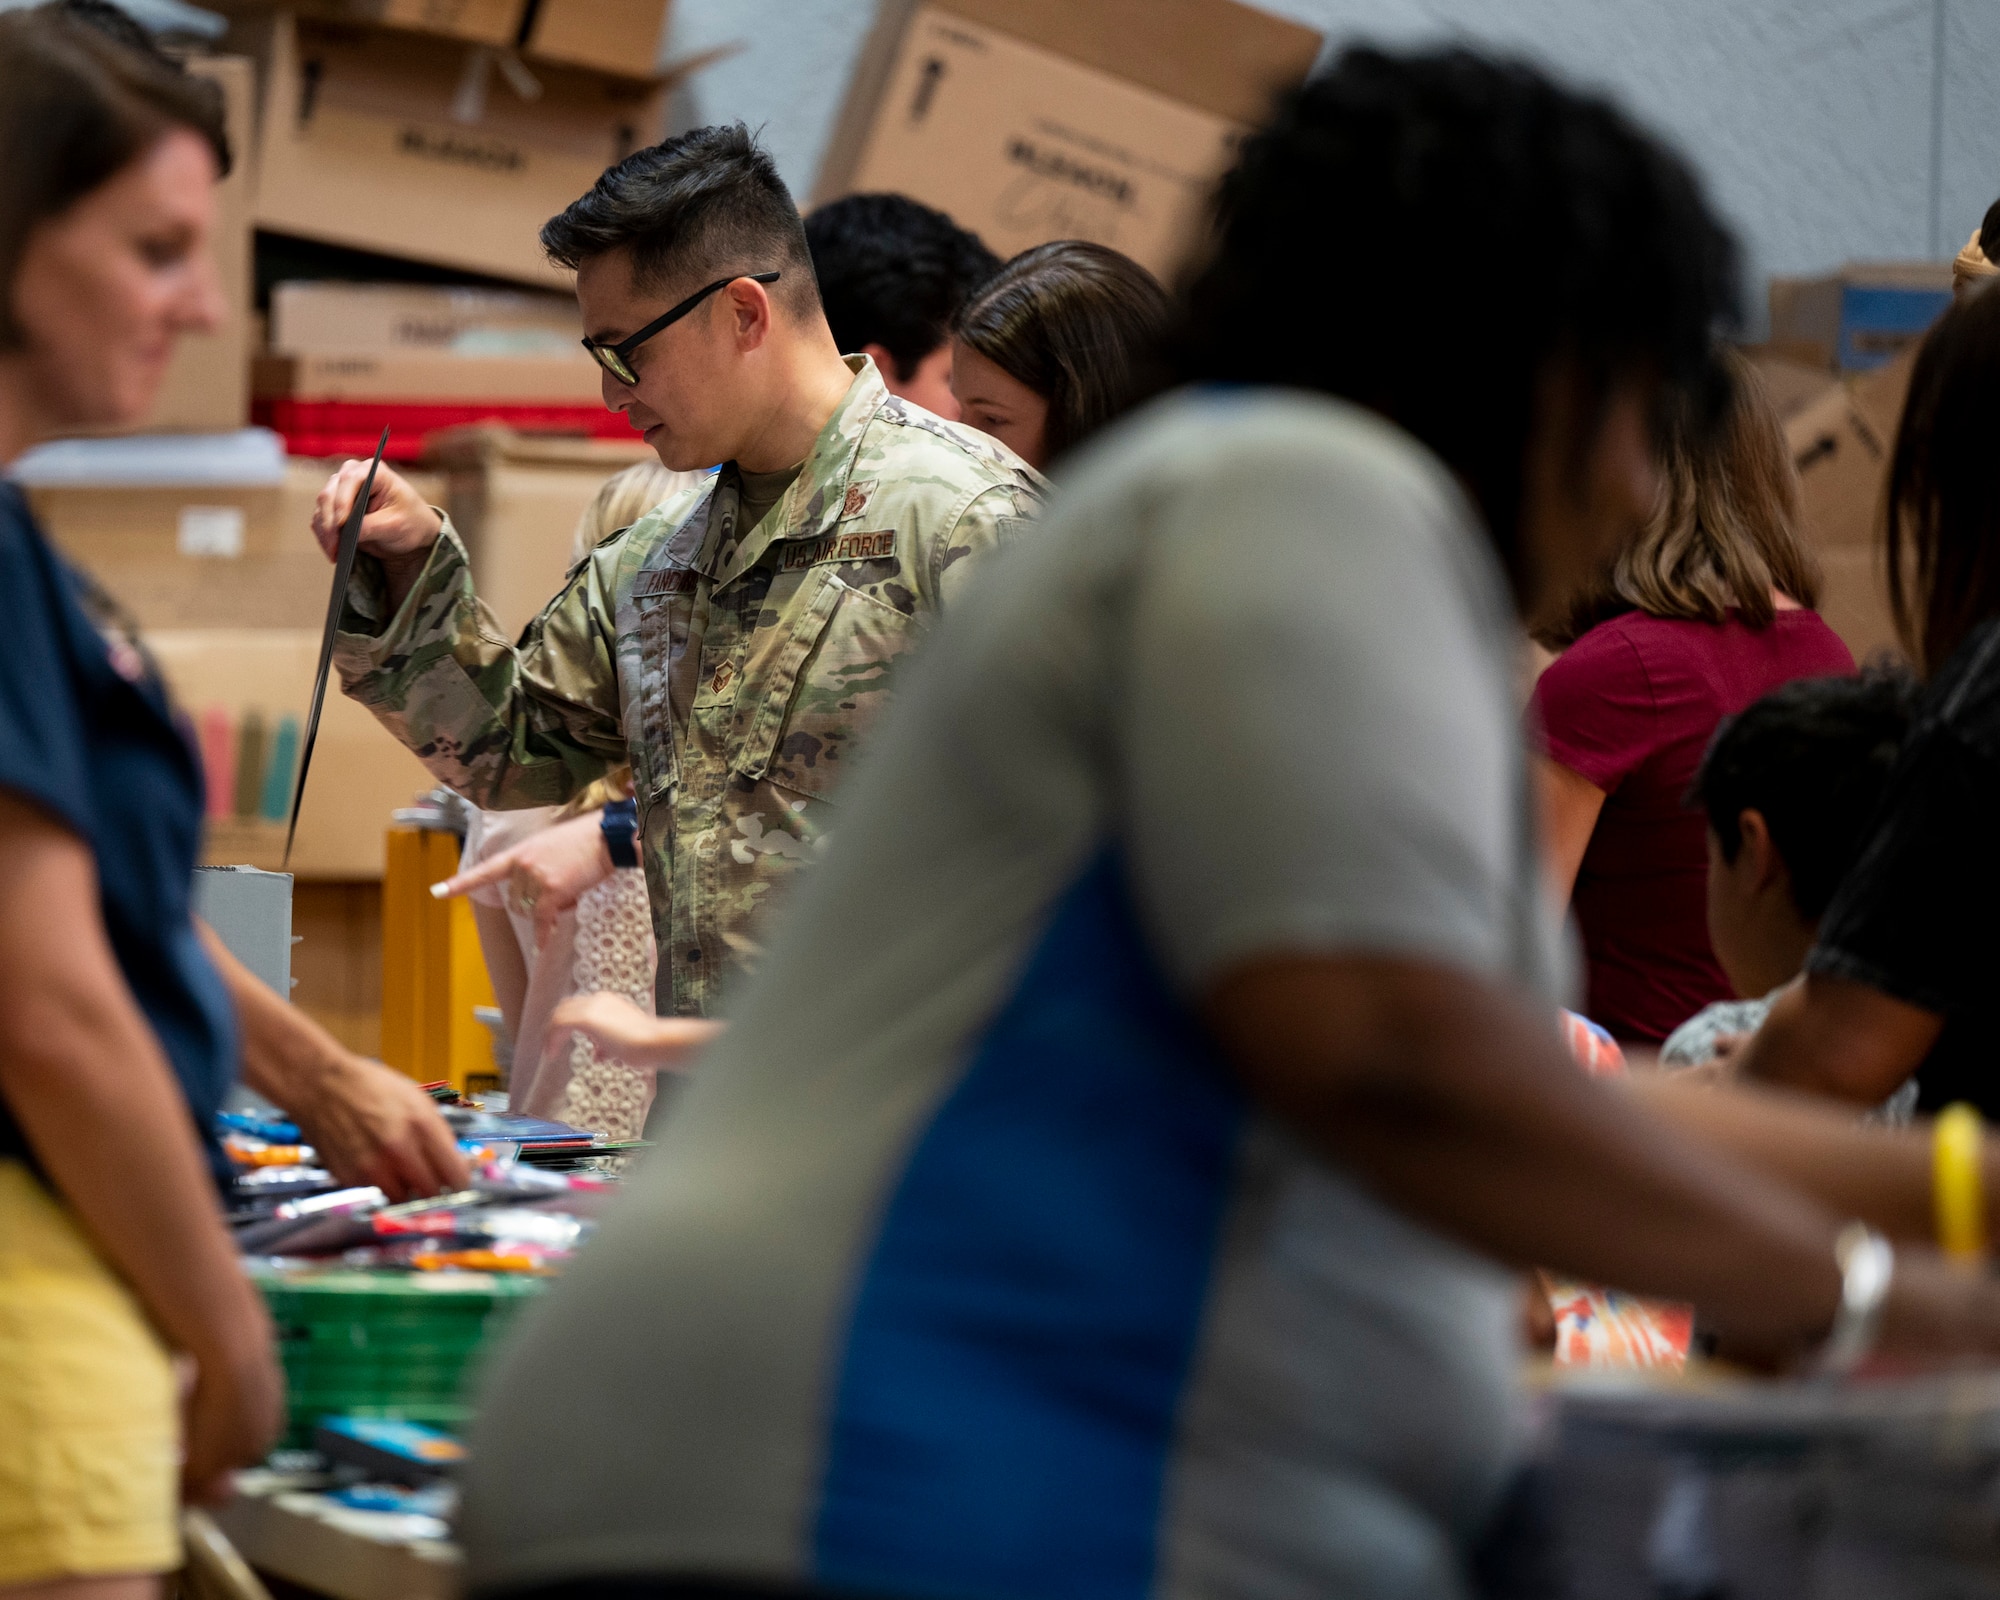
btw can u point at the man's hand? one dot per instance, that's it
(370, 1124)
(398, 524)
(398, 530)
(545, 874)
(629, 1033)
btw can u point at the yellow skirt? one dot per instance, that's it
(89, 1411)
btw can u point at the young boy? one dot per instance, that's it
(1789, 787)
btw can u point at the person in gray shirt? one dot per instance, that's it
(1104, 1188)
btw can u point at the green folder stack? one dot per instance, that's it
(386, 1344)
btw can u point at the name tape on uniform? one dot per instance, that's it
(665, 580)
(839, 547)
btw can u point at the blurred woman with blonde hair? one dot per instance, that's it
(1708, 609)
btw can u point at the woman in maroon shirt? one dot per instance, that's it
(1706, 611)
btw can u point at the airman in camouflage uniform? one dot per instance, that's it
(736, 670)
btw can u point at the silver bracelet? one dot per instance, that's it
(1867, 1265)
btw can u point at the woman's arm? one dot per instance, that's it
(369, 1123)
(630, 1034)
(1451, 1099)
(1835, 1037)
(1570, 806)
(87, 1082)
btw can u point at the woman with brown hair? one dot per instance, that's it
(117, 1034)
(1907, 964)
(1061, 340)
(1706, 611)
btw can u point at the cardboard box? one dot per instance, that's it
(202, 555)
(359, 775)
(1841, 445)
(428, 152)
(619, 36)
(424, 375)
(516, 502)
(1854, 600)
(1792, 384)
(1864, 316)
(207, 387)
(310, 318)
(495, 22)
(1032, 120)
(1841, 465)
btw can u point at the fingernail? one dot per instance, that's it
(440, 889)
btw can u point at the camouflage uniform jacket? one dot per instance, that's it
(736, 674)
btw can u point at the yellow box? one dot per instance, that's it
(433, 975)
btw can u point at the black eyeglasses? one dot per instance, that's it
(616, 358)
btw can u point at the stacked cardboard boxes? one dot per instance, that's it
(1862, 317)
(205, 542)
(441, 131)
(438, 149)
(436, 132)
(1031, 120)
(348, 359)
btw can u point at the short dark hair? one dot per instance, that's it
(1943, 494)
(1814, 757)
(691, 209)
(79, 102)
(1344, 257)
(894, 273)
(1079, 324)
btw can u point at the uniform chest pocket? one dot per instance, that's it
(813, 693)
(663, 622)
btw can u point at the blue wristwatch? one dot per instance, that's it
(620, 823)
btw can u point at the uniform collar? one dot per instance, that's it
(819, 497)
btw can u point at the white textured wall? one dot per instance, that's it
(1812, 120)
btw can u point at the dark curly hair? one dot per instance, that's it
(1814, 758)
(691, 209)
(893, 272)
(1427, 234)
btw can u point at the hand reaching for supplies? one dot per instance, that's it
(545, 874)
(371, 1124)
(629, 1033)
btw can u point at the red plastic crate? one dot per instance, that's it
(351, 427)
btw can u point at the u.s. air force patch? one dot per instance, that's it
(839, 547)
